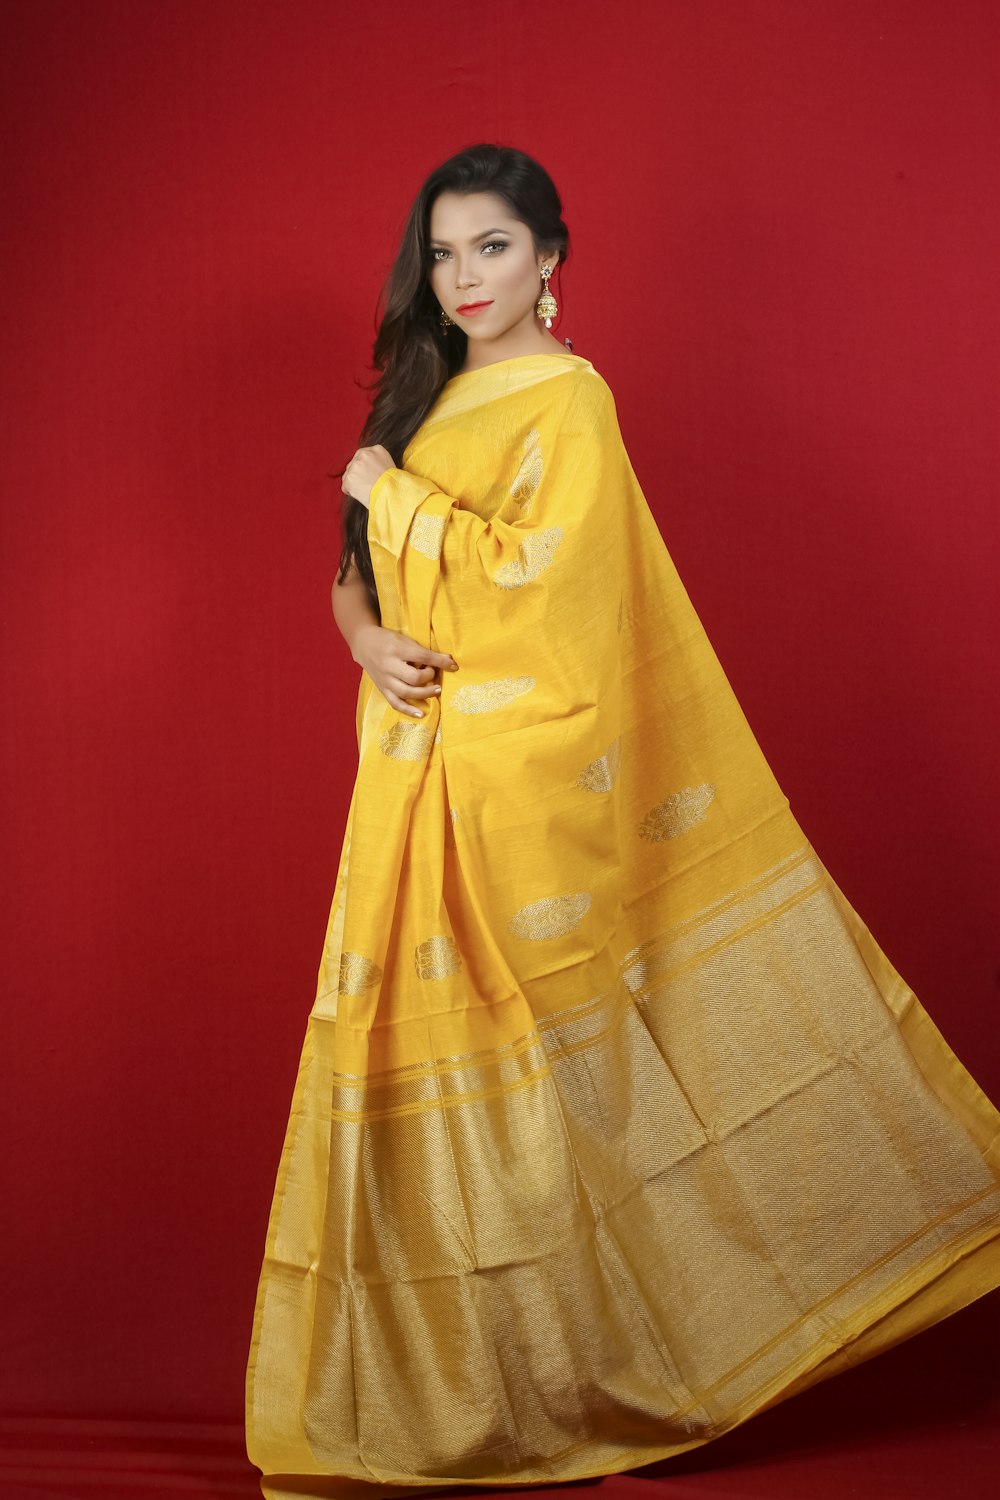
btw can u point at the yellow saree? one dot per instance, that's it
(613, 1124)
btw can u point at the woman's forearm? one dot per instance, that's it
(352, 610)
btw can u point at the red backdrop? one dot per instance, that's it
(785, 246)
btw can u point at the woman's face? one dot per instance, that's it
(479, 253)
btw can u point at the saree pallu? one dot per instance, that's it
(613, 1124)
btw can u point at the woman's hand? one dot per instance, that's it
(399, 667)
(363, 470)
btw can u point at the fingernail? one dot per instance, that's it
(437, 689)
(453, 667)
(416, 712)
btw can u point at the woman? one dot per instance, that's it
(613, 1124)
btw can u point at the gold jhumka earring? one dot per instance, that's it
(546, 307)
(445, 321)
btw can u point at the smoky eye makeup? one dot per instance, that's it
(496, 245)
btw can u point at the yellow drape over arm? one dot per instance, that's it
(535, 589)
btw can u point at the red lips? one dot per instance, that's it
(468, 306)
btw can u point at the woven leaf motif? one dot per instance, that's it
(425, 535)
(437, 957)
(529, 474)
(677, 813)
(551, 917)
(487, 697)
(534, 556)
(406, 741)
(601, 774)
(357, 973)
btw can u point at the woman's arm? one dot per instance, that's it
(399, 666)
(352, 610)
(415, 522)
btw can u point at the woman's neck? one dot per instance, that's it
(478, 355)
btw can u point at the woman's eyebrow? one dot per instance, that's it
(475, 240)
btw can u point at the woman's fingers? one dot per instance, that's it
(418, 655)
(403, 708)
(409, 690)
(413, 673)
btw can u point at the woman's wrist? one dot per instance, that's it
(359, 635)
(353, 612)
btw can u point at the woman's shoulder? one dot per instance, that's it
(587, 387)
(585, 373)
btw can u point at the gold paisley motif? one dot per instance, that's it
(406, 741)
(552, 916)
(485, 697)
(357, 974)
(601, 774)
(677, 813)
(529, 475)
(425, 535)
(437, 957)
(534, 555)
(437, 734)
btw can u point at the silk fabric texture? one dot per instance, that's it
(613, 1124)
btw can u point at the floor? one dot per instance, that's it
(921, 1422)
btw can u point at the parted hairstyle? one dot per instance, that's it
(413, 354)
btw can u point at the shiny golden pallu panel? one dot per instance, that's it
(613, 1125)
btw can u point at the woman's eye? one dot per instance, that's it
(490, 245)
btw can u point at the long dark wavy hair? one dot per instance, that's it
(413, 354)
